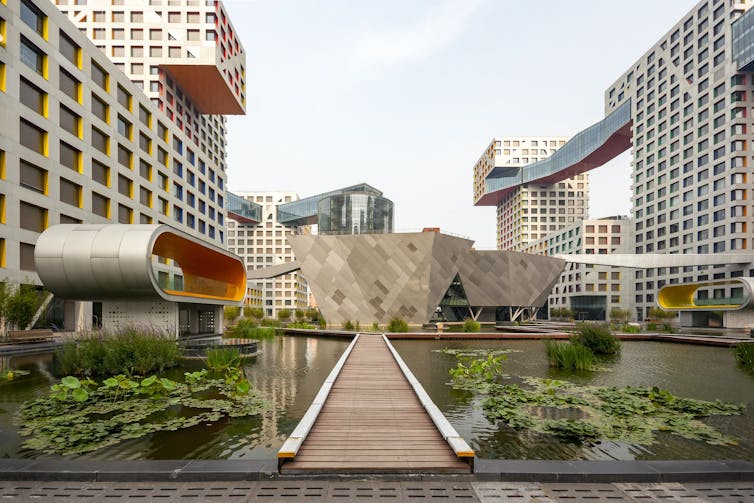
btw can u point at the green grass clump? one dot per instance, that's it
(268, 322)
(248, 329)
(597, 338)
(132, 352)
(569, 356)
(630, 329)
(301, 324)
(221, 359)
(471, 325)
(745, 355)
(397, 325)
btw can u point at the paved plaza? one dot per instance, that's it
(375, 490)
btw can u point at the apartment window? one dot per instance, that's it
(100, 76)
(164, 182)
(100, 109)
(144, 116)
(125, 214)
(32, 177)
(32, 96)
(26, 256)
(32, 56)
(145, 170)
(69, 121)
(32, 17)
(100, 141)
(124, 98)
(125, 186)
(33, 137)
(70, 86)
(145, 144)
(65, 219)
(145, 196)
(164, 206)
(162, 131)
(32, 217)
(100, 205)
(70, 157)
(124, 156)
(162, 156)
(70, 193)
(70, 50)
(100, 173)
(124, 127)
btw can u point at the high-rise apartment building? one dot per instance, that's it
(590, 291)
(80, 140)
(528, 211)
(691, 97)
(263, 242)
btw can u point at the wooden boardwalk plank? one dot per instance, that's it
(373, 421)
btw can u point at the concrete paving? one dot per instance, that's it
(375, 490)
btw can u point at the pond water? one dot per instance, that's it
(701, 372)
(289, 371)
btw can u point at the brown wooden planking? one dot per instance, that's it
(373, 421)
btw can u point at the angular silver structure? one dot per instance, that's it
(375, 277)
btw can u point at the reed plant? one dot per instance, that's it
(222, 359)
(744, 353)
(133, 351)
(569, 356)
(597, 338)
(397, 325)
(249, 329)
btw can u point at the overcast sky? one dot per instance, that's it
(406, 95)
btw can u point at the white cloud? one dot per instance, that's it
(394, 46)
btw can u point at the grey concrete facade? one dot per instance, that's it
(691, 161)
(375, 277)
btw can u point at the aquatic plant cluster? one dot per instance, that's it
(581, 414)
(82, 415)
(588, 343)
(744, 353)
(131, 351)
(250, 329)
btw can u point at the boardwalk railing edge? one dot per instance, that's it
(292, 444)
(456, 442)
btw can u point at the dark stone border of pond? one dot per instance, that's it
(484, 470)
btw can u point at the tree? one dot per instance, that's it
(618, 314)
(284, 314)
(22, 305)
(300, 314)
(660, 314)
(312, 314)
(230, 313)
(257, 313)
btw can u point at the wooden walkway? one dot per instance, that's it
(373, 421)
